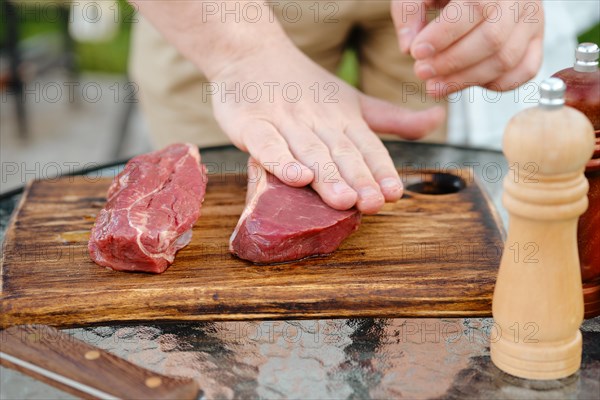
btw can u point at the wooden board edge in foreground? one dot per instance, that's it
(79, 368)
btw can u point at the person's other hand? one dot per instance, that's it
(306, 126)
(495, 44)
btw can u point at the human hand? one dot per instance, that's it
(490, 43)
(322, 134)
(323, 137)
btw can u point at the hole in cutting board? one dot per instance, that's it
(435, 183)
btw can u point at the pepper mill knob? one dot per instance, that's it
(538, 303)
(586, 57)
(552, 93)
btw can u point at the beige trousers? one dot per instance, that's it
(172, 91)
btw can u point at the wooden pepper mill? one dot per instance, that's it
(583, 93)
(537, 304)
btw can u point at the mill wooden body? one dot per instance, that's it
(583, 94)
(538, 303)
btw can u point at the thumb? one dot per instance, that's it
(384, 117)
(409, 16)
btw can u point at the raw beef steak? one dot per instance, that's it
(282, 223)
(150, 210)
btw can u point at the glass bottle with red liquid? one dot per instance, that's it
(583, 93)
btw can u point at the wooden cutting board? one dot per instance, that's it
(427, 255)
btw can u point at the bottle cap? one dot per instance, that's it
(586, 57)
(552, 93)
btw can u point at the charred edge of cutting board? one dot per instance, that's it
(232, 309)
(10, 231)
(80, 321)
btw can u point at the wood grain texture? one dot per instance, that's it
(83, 370)
(542, 289)
(426, 255)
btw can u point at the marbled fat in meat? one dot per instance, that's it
(150, 210)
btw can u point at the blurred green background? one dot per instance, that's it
(111, 56)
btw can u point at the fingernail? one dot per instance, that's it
(423, 50)
(406, 38)
(424, 71)
(341, 188)
(368, 193)
(391, 184)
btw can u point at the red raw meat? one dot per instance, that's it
(282, 223)
(150, 210)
